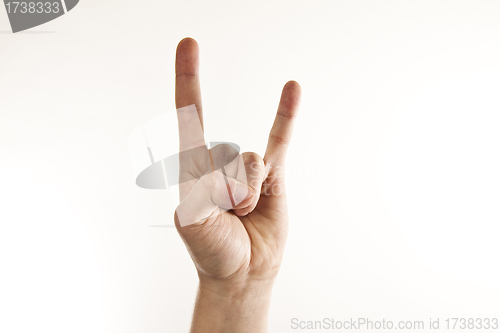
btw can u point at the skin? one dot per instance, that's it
(237, 252)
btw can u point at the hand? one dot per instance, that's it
(233, 213)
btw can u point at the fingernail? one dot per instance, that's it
(241, 193)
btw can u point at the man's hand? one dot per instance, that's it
(233, 218)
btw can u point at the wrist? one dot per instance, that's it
(232, 306)
(244, 289)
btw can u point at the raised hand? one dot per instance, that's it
(233, 214)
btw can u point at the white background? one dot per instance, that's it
(393, 175)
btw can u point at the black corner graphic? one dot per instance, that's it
(25, 15)
(70, 4)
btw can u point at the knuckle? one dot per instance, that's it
(277, 139)
(223, 154)
(253, 160)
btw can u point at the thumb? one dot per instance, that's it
(214, 191)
